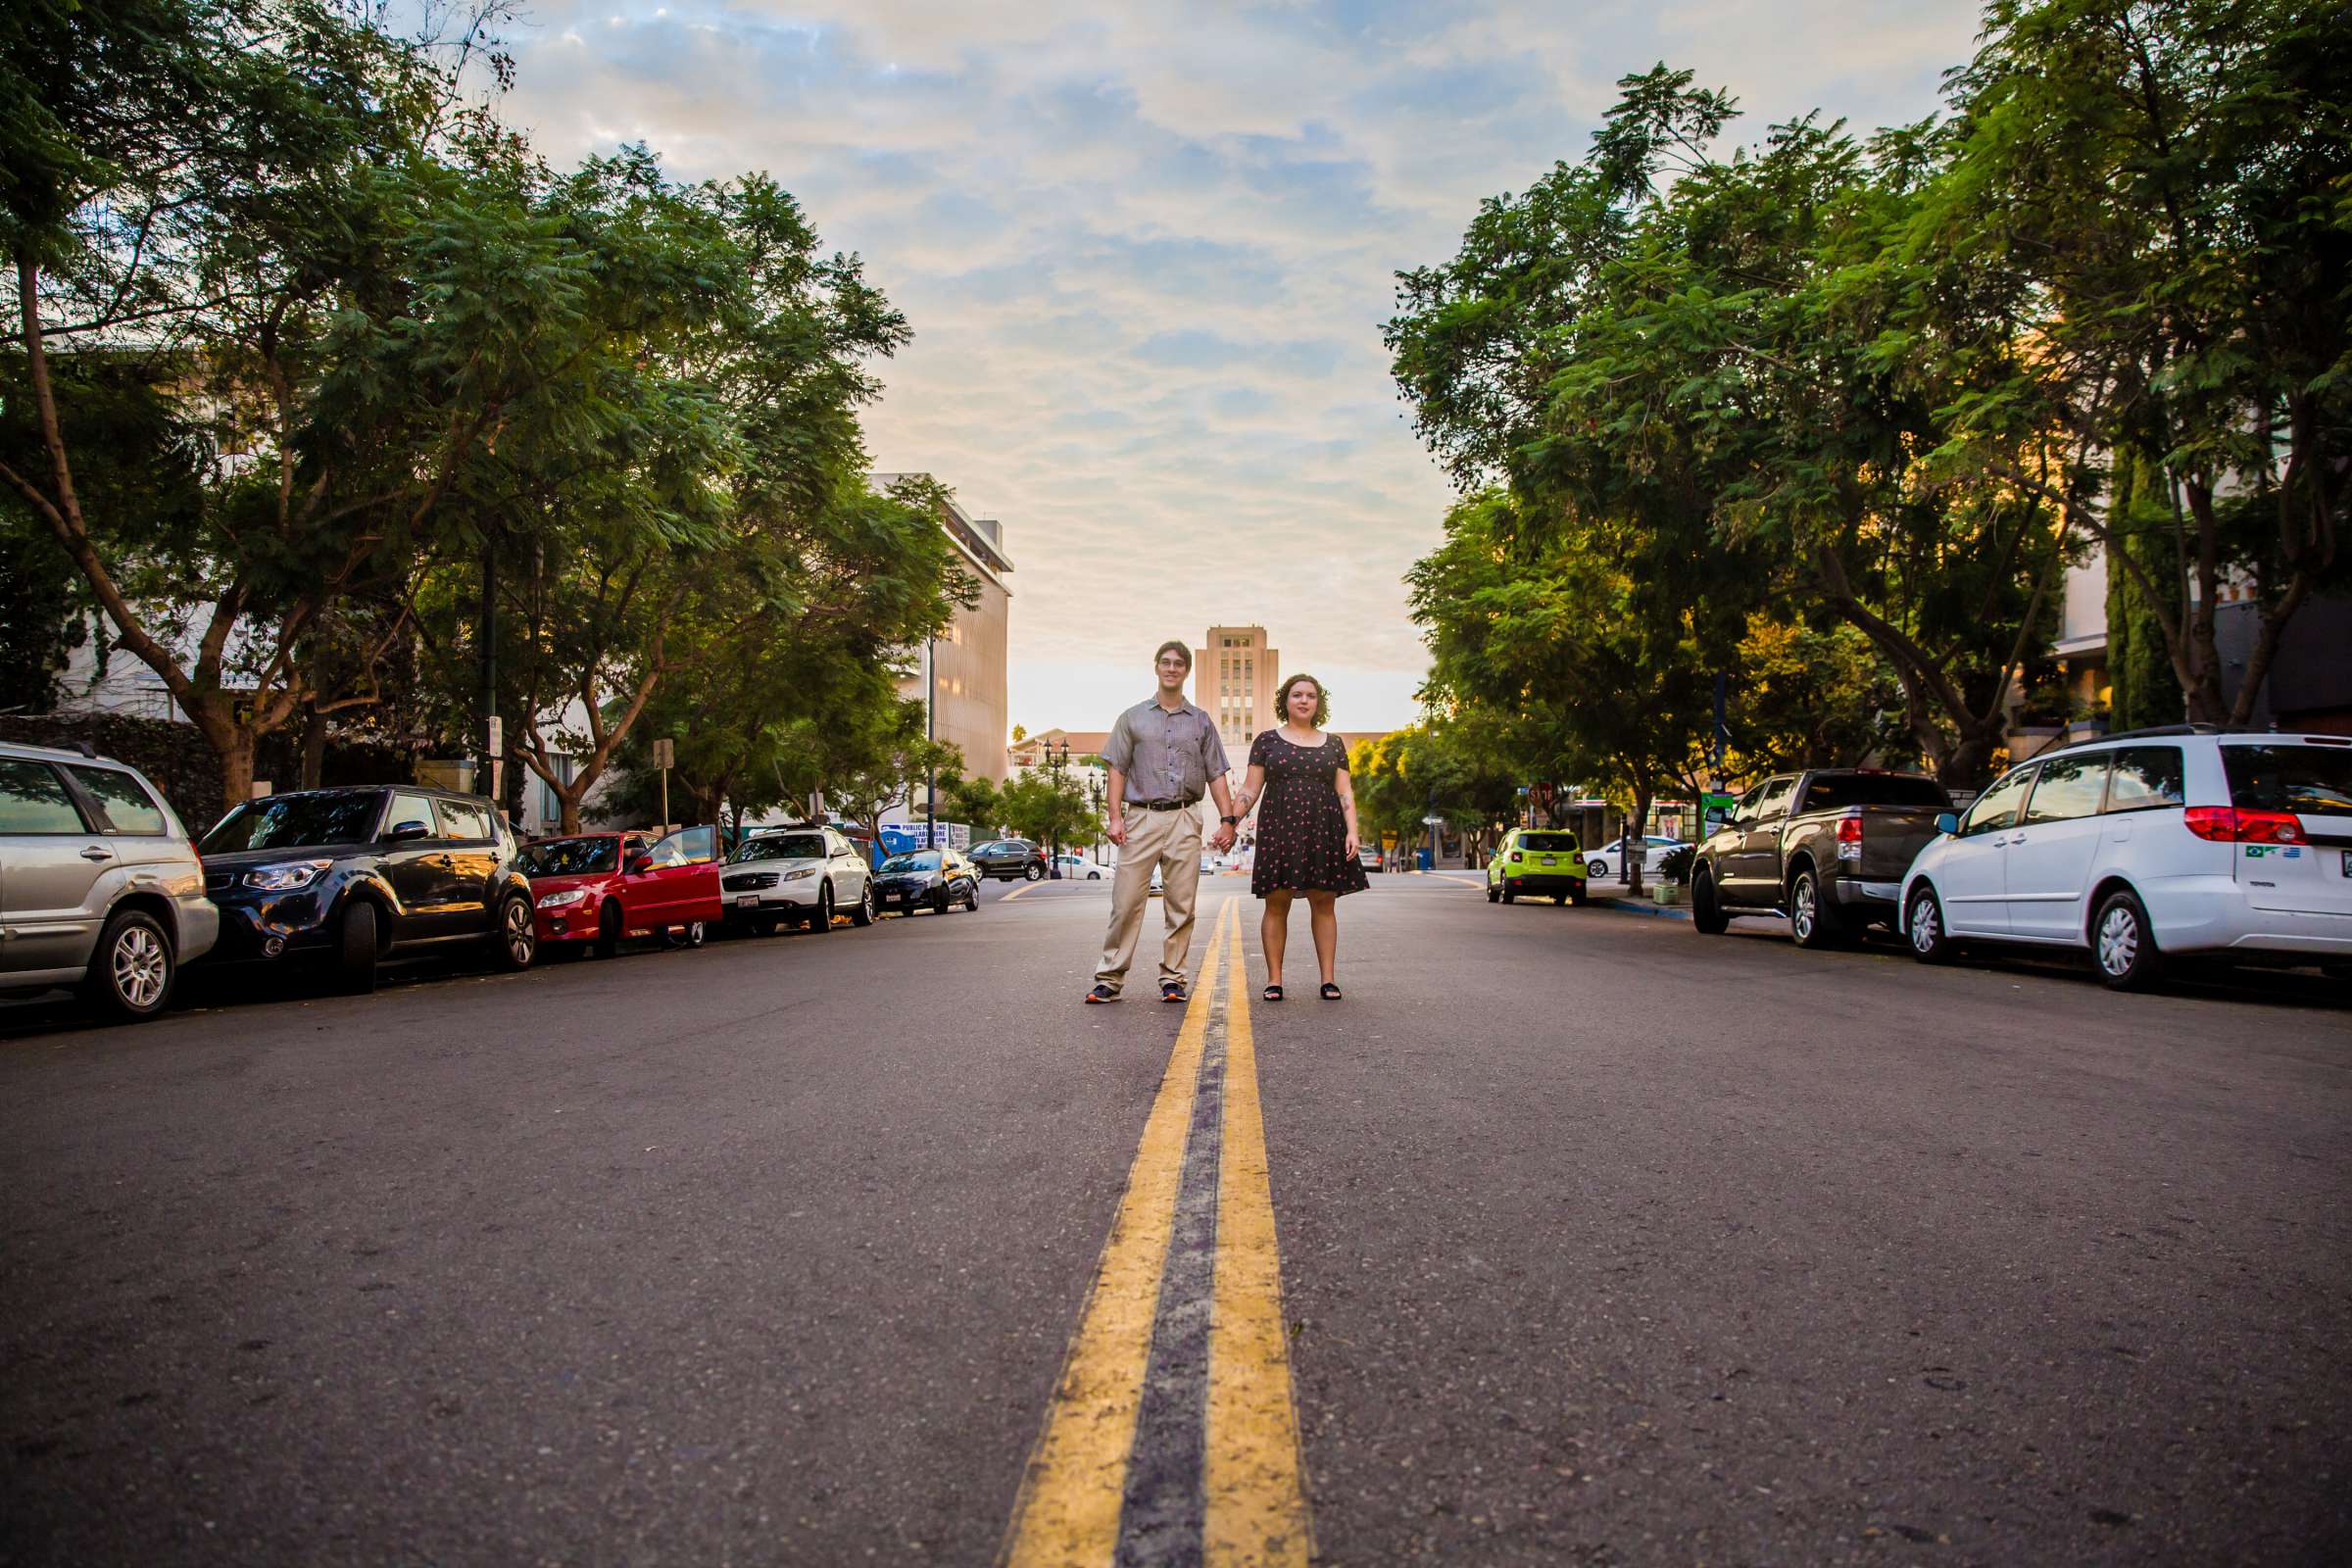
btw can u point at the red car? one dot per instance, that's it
(604, 887)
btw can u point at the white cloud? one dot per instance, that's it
(1146, 252)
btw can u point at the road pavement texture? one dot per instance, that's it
(1599, 1242)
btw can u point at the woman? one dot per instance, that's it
(1306, 840)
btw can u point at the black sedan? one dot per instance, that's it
(1010, 858)
(938, 880)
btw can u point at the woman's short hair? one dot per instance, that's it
(1282, 703)
(1172, 646)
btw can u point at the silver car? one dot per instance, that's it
(797, 876)
(99, 888)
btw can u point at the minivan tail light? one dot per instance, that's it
(2229, 824)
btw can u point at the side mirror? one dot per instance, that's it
(402, 832)
(1947, 823)
(637, 862)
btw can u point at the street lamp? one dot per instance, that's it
(1094, 791)
(1054, 765)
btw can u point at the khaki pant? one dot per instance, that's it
(1171, 840)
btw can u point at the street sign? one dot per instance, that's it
(497, 736)
(665, 753)
(1431, 821)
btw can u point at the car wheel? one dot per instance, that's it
(971, 899)
(1576, 896)
(939, 900)
(1930, 940)
(131, 969)
(822, 919)
(693, 934)
(1811, 920)
(1035, 874)
(355, 960)
(1508, 897)
(609, 932)
(863, 915)
(2123, 945)
(1706, 914)
(517, 935)
(1560, 899)
(1596, 867)
(764, 926)
(1494, 894)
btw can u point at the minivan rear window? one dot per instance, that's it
(1552, 842)
(1834, 792)
(2315, 779)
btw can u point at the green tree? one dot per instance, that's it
(1047, 807)
(2143, 525)
(977, 802)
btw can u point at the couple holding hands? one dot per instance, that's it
(1164, 755)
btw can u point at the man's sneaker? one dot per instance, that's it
(1102, 993)
(1172, 990)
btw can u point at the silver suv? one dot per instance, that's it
(99, 886)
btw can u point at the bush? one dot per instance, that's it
(1677, 864)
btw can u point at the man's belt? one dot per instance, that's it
(1166, 806)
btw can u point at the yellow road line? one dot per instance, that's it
(1257, 1496)
(1017, 891)
(1068, 1509)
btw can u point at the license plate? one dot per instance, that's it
(749, 900)
(1545, 861)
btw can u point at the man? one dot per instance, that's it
(1163, 755)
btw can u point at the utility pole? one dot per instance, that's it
(486, 721)
(931, 741)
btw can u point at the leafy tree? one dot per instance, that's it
(2162, 184)
(1047, 806)
(975, 802)
(875, 758)
(2145, 527)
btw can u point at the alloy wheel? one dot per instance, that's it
(1801, 911)
(523, 937)
(1927, 926)
(2119, 941)
(141, 967)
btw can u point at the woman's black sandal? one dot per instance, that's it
(1331, 992)
(1272, 993)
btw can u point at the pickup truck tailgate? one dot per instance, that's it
(1891, 838)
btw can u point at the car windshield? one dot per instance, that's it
(572, 856)
(783, 847)
(1832, 792)
(1550, 843)
(919, 860)
(295, 821)
(2313, 779)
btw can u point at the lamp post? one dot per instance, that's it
(1054, 767)
(1094, 791)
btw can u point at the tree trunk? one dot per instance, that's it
(236, 768)
(314, 748)
(1636, 848)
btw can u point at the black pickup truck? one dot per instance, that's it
(1827, 849)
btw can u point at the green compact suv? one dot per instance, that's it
(1534, 861)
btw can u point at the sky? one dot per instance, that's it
(1147, 251)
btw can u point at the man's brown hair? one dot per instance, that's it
(1174, 647)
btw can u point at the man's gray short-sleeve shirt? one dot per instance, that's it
(1166, 754)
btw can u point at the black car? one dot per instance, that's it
(1008, 859)
(936, 880)
(355, 875)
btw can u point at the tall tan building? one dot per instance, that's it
(1232, 678)
(961, 673)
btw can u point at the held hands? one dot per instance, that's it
(1222, 839)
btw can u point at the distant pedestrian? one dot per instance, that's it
(1163, 755)
(1307, 833)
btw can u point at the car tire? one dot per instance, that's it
(2123, 945)
(939, 900)
(971, 899)
(1811, 919)
(1596, 867)
(1560, 899)
(1508, 897)
(764, 926)
(1706, 913)
(609, 930)
(693, 934)
(1930, 938)
(863, 915)
(131, 969)
(355, 956)
(1035, 874)
(821, 918)
(1577, 897)
(517, 935)
(1494, 894)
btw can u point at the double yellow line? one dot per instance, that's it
(1252, 1502)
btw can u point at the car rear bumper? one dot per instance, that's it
(1543, 882)
(2214, 915)
(198, 922)
(1877, 901)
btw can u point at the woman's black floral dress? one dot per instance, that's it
(1301, 832)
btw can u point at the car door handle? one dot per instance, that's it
(2019, 838)
(97, 853)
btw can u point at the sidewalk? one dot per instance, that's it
(1608, 896)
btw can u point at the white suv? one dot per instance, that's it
(799, 876)
(2148, 844)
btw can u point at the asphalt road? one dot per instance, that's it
(1601, 1243)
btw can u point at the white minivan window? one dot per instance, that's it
(2147, 778)
(1997, 807)
(2069, 787)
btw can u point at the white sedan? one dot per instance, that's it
(1609, 858)
(1078, 868)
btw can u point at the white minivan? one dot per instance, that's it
(2153, 842)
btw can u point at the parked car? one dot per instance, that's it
(797, 876)
(602, 888)
(1827, 847)
(936, 880)
(1534, 861)
(1078, 868)
(100, 890)
(1368, 857)
(1609, 858)
(1008, 859)
(2147, 846)
(356, 875)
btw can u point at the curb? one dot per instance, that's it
(1659, 911)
